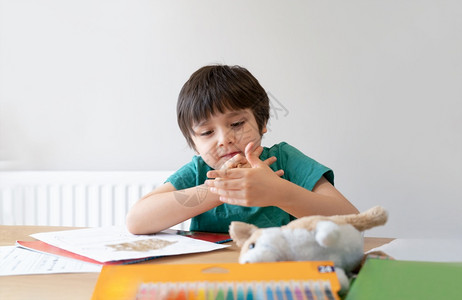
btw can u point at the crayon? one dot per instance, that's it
(201, 293)
(279, 293)
(317, 290)
(249, 292)
(308, 292)
(269, 292)
(288, 292)
(210, 291)
(298, 292)
(220, 293)
(328, 291)
(240, 292)
(191, 294)
(230, 293)
(181, 295)
(260, 293)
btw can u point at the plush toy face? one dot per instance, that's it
(274, 244)
(264, 246)
(342, 244)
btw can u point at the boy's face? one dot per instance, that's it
(223, 135)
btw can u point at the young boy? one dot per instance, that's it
(223, 112)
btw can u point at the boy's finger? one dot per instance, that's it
(270, 161)
(258, 151)
(251, 154)
(231, 201)
(228, 184)
(280, 173)
(228, 173)
(250, 147)
(235, 162)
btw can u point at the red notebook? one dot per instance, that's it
(47, 248)
(213, 237)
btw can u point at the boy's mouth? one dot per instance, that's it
(229, 155)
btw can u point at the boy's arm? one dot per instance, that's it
(325, 199)
(166, 206)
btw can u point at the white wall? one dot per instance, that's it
(370, 88)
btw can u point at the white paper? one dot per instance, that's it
(100, 243)
(435, 250)
(20, 261)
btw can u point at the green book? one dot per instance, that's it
(397, 279)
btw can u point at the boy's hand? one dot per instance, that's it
(254, 186)
(239, 161)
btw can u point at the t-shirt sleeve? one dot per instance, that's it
(301, 169)
(190, 175)
(185, 177)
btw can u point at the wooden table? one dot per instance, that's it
(80, 285)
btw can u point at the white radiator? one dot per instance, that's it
(87, 199)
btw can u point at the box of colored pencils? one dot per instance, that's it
(280, 280)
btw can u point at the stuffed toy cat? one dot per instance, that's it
(312, 238)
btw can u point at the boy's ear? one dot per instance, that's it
(264, 130)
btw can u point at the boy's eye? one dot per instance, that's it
(237, 124)
(206, 133)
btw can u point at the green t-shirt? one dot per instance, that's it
(298, 168)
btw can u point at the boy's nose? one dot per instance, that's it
(226, 137)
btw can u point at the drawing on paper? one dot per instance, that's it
(142, 246)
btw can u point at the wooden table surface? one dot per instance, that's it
(81, 285)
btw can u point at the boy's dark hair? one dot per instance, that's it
(217, 88)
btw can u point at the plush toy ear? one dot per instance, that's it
(240, 232)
